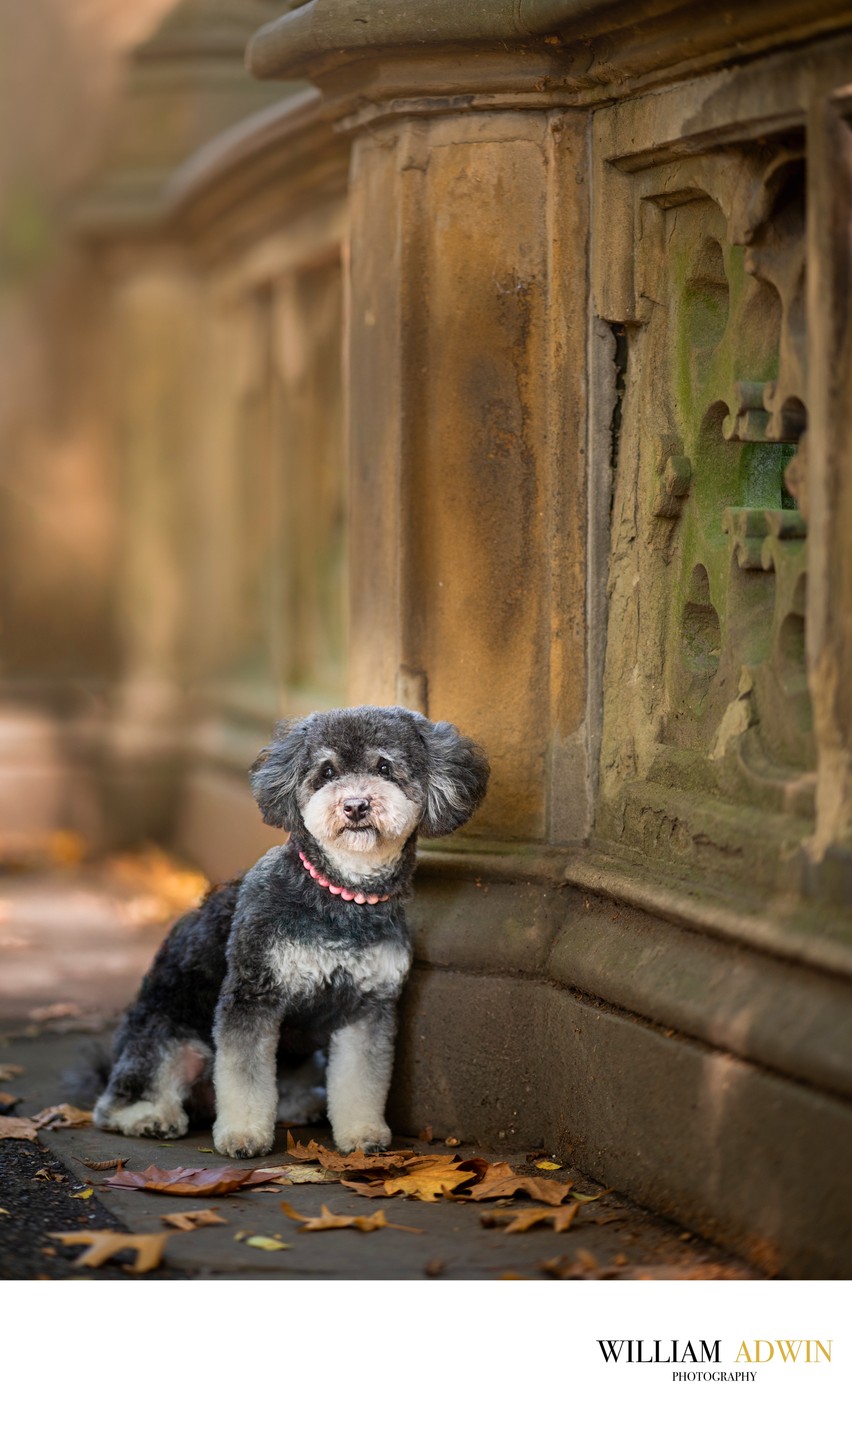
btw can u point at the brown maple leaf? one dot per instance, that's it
(20, 1128)
(101, 1246)
(190, 1182)
(329, 1220)
(189, 1221)
(507, 1184)
(523, 1218)
(334, 1162)
(425, 1178)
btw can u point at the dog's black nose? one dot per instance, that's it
(356, 808)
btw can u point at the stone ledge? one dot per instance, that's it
(744, 1156)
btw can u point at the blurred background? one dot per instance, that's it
(157, 377)
(146, 373)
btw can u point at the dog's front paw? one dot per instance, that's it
(369, 1138)
(242, 1142)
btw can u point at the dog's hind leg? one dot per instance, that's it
(149, 1085)
(301, 1092)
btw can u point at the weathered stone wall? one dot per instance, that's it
(597, 386)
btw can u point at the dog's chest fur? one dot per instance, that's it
(307, 971)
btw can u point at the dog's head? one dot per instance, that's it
(362, 780)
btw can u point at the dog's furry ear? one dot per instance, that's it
(275, 774)
(457, 780)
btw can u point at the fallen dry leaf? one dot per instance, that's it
(103, 1166)
(189, 1182)
(9, 1071)
(294, 1173)
(86, 1193)
(8, 1100)
(357, 1162)
(64, 1115)
(101, 1246)
(499, 1185)
(425, 1178)
(189, 1221)
(329, 1220)
(19, 1128)
(523, 1218)
(548, 1167)
(44, 1175)
(267, 1244)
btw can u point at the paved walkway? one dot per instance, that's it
(71, 941)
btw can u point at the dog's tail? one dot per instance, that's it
(87, 1077)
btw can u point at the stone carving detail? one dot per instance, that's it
(717, 392)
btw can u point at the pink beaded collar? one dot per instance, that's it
(344, 893)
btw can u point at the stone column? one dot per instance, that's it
(466, 294)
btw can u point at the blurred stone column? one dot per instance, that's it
(154, 344)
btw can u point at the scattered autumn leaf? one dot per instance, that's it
(189, 1182)
(329, 1220)
(4, 1211)
(426, 1178)
(8, 1100)
(9, 1071)
(542, 1190)
(294, 1173)
(86, 1193)
(101, 1246)
(524, 1218)
(335, 1162)
(590, 1197)
(103, 1165)
(23, 1129)
(267, 1244)
(45, 1175)
(548, 1167)
(63, 1115)
(189, 1221)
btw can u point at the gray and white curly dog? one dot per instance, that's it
(307, 952)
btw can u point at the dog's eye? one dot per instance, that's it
(328, 772)
(383, 768)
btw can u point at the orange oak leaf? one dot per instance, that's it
(329, 1220)
(101, 1246)
(190, 1182)
(189, 1221)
